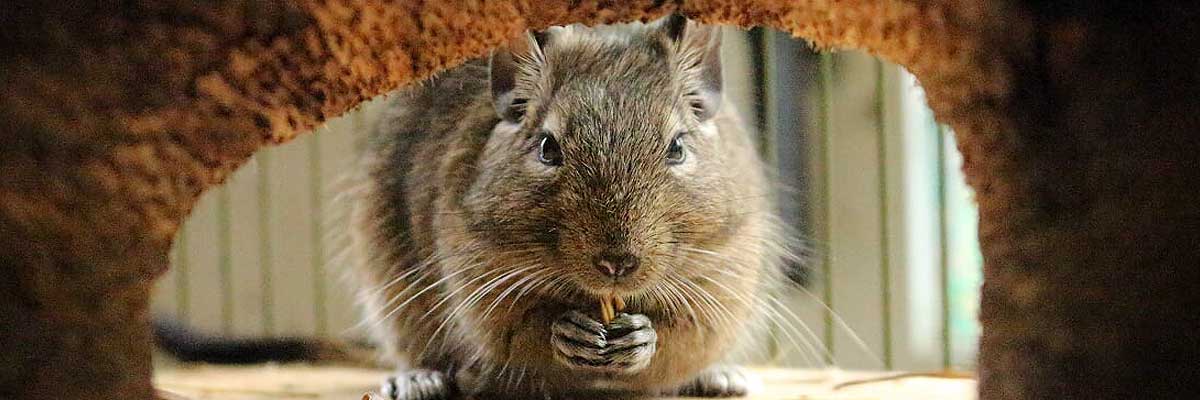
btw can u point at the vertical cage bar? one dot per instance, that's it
(266, 259)
(225, 257)
(826, 127)
(885, 266)
(760, 43)
(944, 245)
(182, 305)
(317, 238)
(763, 71)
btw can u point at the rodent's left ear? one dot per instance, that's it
(698, 51)
(519, 60)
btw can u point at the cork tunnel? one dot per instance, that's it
(1076, 121)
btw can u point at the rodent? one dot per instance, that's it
(499, 201)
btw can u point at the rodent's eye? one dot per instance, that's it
(675, 153)
(548, 151)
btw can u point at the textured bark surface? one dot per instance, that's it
(1077, 123)
(1090, 207)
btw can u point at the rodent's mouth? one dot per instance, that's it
(622, 287)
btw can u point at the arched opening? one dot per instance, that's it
(1074, 178)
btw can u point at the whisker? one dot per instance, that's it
(471, 300)
(837, 318)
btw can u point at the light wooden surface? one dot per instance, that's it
(274, 382)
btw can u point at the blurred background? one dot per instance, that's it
(876, 190)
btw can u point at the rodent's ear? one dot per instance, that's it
(698, 49)
(519, 60)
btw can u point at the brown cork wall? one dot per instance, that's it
(1077, 121)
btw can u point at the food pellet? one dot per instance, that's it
(609, 307)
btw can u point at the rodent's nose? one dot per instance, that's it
(616, 264)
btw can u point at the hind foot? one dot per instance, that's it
(718, 381)
(418, 384)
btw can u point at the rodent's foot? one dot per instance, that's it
(418, 384)
(718, 381)
(625, 346)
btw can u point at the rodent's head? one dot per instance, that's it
(606, 165)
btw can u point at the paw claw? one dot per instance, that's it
(584, 322)
(633, 339)
(579, 333)
(629, 322)
(419, 384)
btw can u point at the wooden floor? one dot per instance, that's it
(272, 382)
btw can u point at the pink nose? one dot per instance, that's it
(615, 264)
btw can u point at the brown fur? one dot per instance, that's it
(458, 220)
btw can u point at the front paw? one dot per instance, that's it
(625, 346)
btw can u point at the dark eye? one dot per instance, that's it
(675, 152)
(548, 151)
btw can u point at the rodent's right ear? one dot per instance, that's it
(510, 66)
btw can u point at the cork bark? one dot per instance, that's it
(1076, 121)
(1090, 207)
